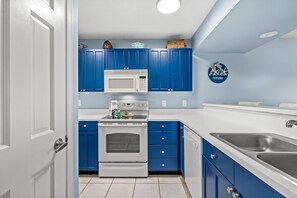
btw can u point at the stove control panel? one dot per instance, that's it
(137, 105)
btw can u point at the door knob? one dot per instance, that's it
(60, 144)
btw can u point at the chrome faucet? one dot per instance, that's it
(291, 123)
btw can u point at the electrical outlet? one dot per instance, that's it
(79, 103)
(163, 103)
(185, 103)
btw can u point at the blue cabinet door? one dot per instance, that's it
(181, 69)
(250, 186)
(91, 70)
(181, 150)
(88, 151)
(81, 60)
(159, 70)
(137, 58)
(115, 59)
(215, 185)
(88, 148)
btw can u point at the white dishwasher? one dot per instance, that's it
(193, 162)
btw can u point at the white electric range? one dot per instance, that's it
(123, 141)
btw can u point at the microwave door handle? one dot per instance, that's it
(137, 84)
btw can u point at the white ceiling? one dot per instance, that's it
(139, 19)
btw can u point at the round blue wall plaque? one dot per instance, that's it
(218, 72)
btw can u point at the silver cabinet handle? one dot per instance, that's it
(213, 156)
(229, 190)
(163, 152)
(60, 144)
(235, 195)
(162, 126)
(163, 138)
(85, 126)
(163, 165)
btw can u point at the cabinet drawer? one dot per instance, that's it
(88, 125)
(163, 126)
(166, 151)
(158, 138)
(163, 164)
(223, 163)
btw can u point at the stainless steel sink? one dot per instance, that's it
(259, 142)
(285, 162)
(274, 151)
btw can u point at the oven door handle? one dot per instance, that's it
(122, 125)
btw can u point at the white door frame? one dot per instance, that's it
(72, 97)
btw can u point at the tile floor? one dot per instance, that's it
(155, 186)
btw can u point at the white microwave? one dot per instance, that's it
(125, 81)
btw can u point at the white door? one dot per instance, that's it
(32, 98)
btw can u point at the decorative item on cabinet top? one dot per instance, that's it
(107, 45)
(137, 45)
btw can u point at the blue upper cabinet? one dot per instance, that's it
(126, 59)
(137, 59)
(181, 65)
(81, 60)
(170, 69)
(159, 69)
(91, 70)
(115, 59)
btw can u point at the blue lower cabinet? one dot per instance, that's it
(161, 151)
(88, 146)
(215, 185)
(249, 186)
(163, 164)
(163, 139)
(223, 177)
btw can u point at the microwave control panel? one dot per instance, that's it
(142, 83)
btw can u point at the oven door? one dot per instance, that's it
(120, 84)
(123, 142)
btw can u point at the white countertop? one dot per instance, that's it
(228, 120)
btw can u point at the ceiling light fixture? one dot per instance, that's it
(268, 34)
(168, 6)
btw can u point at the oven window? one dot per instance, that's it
(121, 83)
(122, 143)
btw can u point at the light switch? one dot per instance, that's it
(164, 103)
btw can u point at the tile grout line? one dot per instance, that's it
(85, 186)
(134, 188)
(109, 188)
(159, 187)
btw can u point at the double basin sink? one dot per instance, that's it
(271, 150)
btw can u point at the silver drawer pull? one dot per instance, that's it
(163, 138)
(163, 165)
(213, 156)
(85, 126)
(229, 190)
(162, 126)
(163, 152)
(235, 195)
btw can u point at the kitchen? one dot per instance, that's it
(210, 118)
